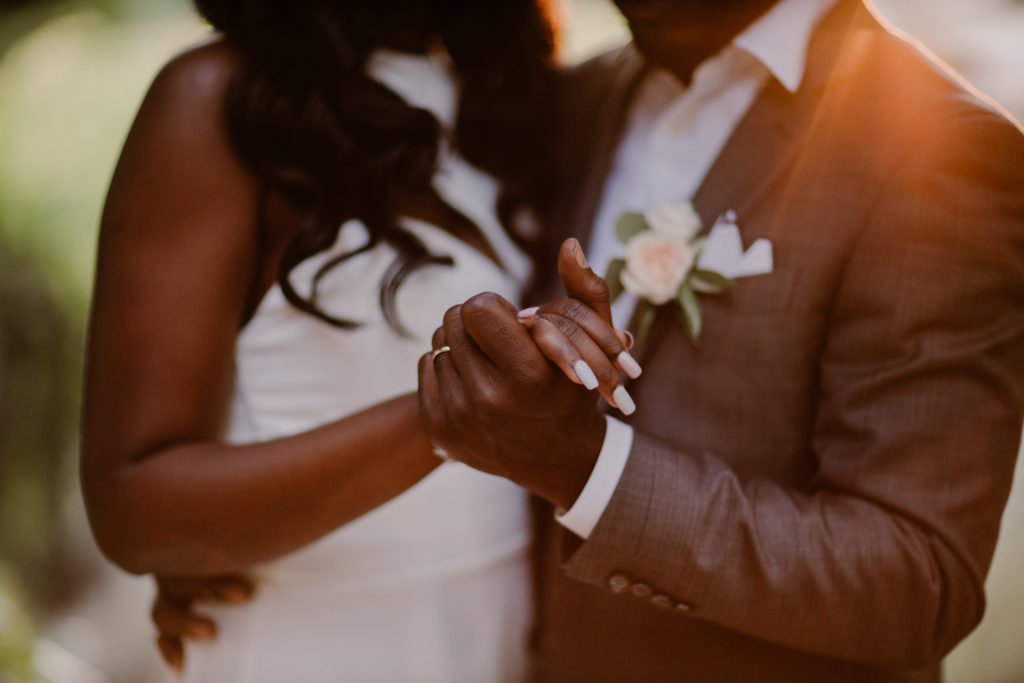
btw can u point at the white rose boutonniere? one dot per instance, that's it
(660, 268)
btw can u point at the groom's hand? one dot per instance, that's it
(496, 403)
(174, 612)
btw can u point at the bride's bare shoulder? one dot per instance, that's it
(196, 79)
(179, 153)
(183, 121)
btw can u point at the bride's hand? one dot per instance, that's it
(575, 332)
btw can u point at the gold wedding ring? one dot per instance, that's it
(438, 352)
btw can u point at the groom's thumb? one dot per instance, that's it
(581, 282)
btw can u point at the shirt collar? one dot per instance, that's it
(780, 38)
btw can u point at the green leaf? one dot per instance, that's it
(689, 309)
(613, 276)
(709, 281)
(642, 322)
(629, 225)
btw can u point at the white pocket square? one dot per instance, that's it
(724, 253)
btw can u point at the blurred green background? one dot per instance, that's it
(72, 73)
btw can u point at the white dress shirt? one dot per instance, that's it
(673, 136)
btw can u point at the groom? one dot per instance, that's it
(814, 492)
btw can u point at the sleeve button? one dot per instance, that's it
(619, 583)
(662, 601)
(641, 591)
(683, 607)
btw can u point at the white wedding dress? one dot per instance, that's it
(433, 585)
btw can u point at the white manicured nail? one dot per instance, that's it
(527, 315)
(585, 374)
(629, 365)
(623, 400)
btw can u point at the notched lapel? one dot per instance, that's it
(769, 136)
(757, 156)
(765, 139)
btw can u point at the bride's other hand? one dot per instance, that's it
(573, 337)
(174, 615)
(576, 333)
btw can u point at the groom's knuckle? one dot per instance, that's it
(533, 377)
(452, 317)
(480, 305)
(491, 400)
(457, 410)
(523, 374)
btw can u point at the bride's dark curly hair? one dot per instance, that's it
(338, 145)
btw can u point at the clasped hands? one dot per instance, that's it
(511, 398)
(517, 396)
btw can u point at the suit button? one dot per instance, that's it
(619, 583)
(641, 590)
(683, 607)
(662, 601)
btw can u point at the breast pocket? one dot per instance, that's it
(754, 298)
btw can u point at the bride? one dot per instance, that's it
(297, 203)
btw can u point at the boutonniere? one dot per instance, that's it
(662, 266)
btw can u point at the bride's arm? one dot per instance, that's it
(175, 267)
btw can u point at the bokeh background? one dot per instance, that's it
(72, 73)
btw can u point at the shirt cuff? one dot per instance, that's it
(584, 514)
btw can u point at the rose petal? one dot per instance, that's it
(675, 219)
(656, 266)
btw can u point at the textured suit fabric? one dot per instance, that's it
(814, 493)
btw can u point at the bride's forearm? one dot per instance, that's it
(197, 508)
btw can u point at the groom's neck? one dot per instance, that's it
(678, 35)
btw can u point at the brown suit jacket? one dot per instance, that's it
(815, 492)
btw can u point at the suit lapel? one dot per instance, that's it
(753, 157)
(769, 136)
(599, 150)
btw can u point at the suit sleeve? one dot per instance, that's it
(882, 558)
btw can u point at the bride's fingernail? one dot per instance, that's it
(586, 374)
(623, 400)
(630, 340)
(527, 316)
(629, 365)
(577, 251)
